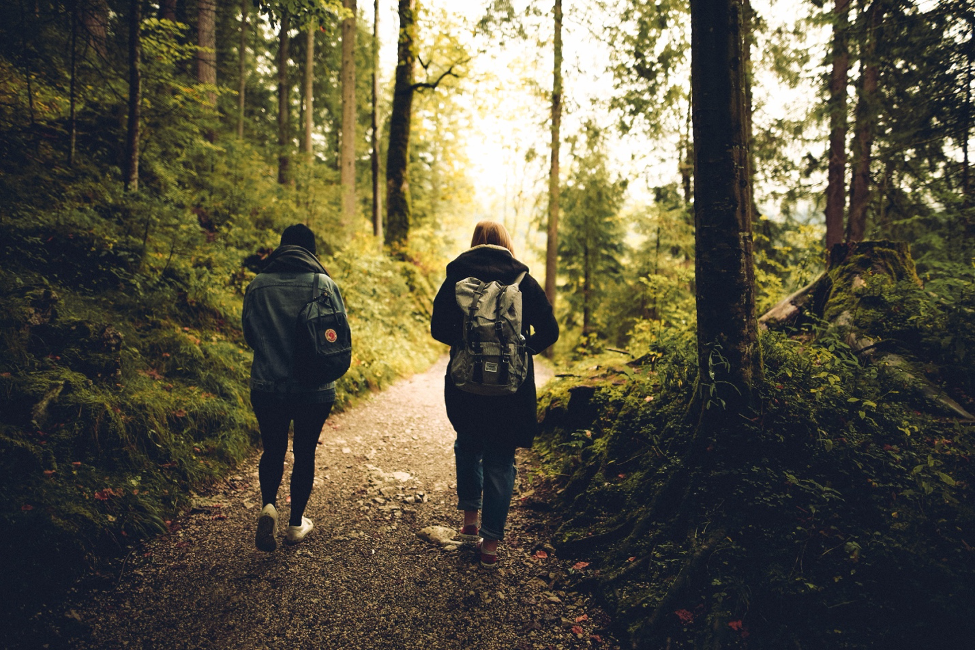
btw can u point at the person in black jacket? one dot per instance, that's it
(271, 306)
(490, 428)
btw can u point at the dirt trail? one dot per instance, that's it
(363, 579)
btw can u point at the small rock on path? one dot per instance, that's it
(364, 578)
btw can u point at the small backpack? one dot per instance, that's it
(323, 342)
(492, 358)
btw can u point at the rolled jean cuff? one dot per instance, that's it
(490, 534)
(469, 504)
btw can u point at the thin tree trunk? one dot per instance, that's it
(398, 188)
(556, 109)
(309, 76)
(284, 137)
(167, 10)
(207, 42)
(95, 19)
(135, 94)
(242, 68)
(686, 163)
(374, 127)
(587, 307)
(729, 363)
(72, 120)
(834, 211)
(865, 117)
(347, 151)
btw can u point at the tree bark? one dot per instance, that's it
(72, 120)
(347, 151)
(865, 118)
(309, 77)
(374, 127)
(242, 68)
(834, 211)
(556, 110)
(167, 10)
(284, 136)
(135, 95)
(398, 188)
(729, 362)
(207, 44)
(95, 19)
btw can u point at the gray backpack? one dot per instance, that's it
(492, 359)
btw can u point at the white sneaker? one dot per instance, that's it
(295, 534)
(264, 539)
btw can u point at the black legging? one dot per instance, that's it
(273, 421)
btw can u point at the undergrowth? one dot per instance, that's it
(123, 370)
(846, 523)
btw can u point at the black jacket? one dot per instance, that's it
(509, 419)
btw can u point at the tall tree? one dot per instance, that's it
(834, 211)
(242, 54)
(729, 362)
(284, 103)
(592, 233)
(866, 115)
(95, 19)
(309, 77)
(135, 99)
(347, 155)
(398, 191)
(556, 109)
(374, 126)
(207, 46)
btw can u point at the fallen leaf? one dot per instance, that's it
(180, 413)
(649, 398)
(581, 565)
(26, 507)
(541, 554)
(632, 559)
(580, 619)
(576, 629)
(49, 473)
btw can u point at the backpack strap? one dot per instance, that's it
(473, 340)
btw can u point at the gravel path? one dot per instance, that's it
(363, 579)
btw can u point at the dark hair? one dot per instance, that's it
(491, 232)
(299, 235)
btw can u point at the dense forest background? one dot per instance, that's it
(152, 152)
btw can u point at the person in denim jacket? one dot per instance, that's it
(271, 306)
(490, 428)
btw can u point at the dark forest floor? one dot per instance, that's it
(362, 579)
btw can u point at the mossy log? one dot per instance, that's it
(834, 297)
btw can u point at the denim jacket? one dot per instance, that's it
(271, 305)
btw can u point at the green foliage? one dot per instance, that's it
(842, 511)
(591, 234)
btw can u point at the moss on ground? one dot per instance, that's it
(845, 523)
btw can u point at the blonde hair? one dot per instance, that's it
(491, 232)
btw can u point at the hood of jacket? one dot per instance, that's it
(293, 259)
(487, 263)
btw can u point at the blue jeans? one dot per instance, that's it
(490, 471)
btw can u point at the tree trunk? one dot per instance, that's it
(556, 110)
(309, 72)
(398, 189)
(135, 97)
(587, 307)
(95, 19)
(834, 211)
(242, 68)
(865, 118)
(284, 136)
(374, 127)
(167, 10)
(347, 151)
(207, 42)
(72, 121)
(729, 363)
